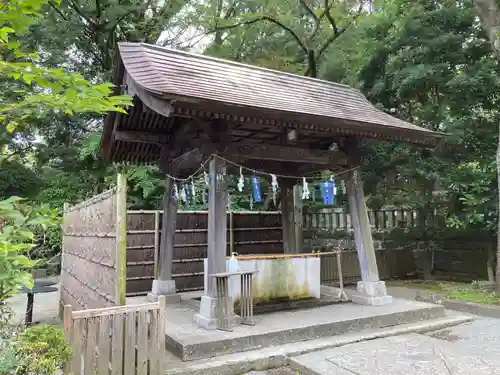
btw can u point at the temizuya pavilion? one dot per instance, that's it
(188, 107)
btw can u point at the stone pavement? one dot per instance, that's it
(468, 349)
(45, 308)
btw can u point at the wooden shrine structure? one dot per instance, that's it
(187, 107)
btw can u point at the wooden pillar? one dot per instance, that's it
(287, 216)
(298, 221)
(370, 290)
(217, 223)
(164, 285)
(121, 240)
(167, 242)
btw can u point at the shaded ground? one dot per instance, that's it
(45, 307)
(468, 349)
(278, 371)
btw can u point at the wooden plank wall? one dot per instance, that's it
(88, 253)
(253, 233)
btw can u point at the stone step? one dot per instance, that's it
(332, 322)
(294, 354)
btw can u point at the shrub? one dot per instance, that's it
(43, 350)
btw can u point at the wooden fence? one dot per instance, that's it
(118, 340)
(93, 255)
(340, 219)
(248, 233)
(393, 263)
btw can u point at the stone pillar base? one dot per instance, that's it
(207, 317)
(164, 288)
(372, 293)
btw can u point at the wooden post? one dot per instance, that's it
(217, 223)
(64, 218)
(121, 239)
(287, 217)
(231, 233)
(163, 283)
(361, 226)
(166, 254)
(157, 243)
(371, 291)
(298, 220)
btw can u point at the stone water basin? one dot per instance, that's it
(280, 276)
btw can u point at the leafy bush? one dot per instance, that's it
(10, 360)
(43, 350)
(38, 350)
(16, 238)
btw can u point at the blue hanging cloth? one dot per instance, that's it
(257, 196)
(327, 191)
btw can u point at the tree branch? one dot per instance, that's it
(327, 8)
(263, 18)
(318, 23)
(309, 10)
(336, 32)
(80, 13)
(54, 6)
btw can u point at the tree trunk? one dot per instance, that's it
(497, 284)
(490, 19)
(490, 264)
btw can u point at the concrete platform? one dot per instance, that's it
(189, 342)
(282, 355)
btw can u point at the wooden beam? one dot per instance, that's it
(141, 137)
(263, 151)
(187, 161)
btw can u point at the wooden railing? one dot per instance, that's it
(340, 219)
(118, 340)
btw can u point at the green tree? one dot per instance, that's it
(429, 64)
(489, 14)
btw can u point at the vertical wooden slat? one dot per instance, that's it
(121, 240)
(161, 332)
(68, 331)
(142, 343)
(78, 338)
(130, 343)
(154, 352)
(90, 347)
(157, 243)
(231, 233)
(117, 348)
(104, 345)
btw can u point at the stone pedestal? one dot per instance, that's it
(373, 293)
(164, 288)
(207, 317)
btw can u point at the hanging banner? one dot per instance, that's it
(327, 189)
(257, 197)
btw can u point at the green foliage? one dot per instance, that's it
(16, 239)
(39, 349)
(43, 348)
(17, 179)
(430, 64)
(10, 360)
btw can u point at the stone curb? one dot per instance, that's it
(490, 311)
(275, 357)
